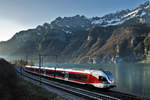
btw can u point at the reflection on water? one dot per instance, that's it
(130, 78)
(133, 78)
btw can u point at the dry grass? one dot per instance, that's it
(14, 88)
(28, 91)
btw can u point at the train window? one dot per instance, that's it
(27, 68)
(78, 76)
(56, 73)
(37, 70)
(109, 75)
(103, 79)
(50, 72)
(61, 74)
(42, 71)
(31, 69)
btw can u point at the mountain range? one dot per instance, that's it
(115, 37)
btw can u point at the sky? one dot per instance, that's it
(17, 15)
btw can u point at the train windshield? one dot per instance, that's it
(109, 75)
(103, 79)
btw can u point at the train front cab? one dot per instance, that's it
(102, 79)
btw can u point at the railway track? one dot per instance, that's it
(119, 95)
(89, 92)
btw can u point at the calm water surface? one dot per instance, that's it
(129, 77)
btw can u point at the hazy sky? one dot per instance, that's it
(17, 15)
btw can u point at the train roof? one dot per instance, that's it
(67, 69)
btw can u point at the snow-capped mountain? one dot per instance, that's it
(68, 24)
(141, 14)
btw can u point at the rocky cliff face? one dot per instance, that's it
(126, 43)
(120, 36)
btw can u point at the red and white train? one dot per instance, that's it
(97, 78)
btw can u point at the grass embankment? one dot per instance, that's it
(14, 88)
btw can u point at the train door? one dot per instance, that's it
(44, 72)
(95, 74)
(66, 75)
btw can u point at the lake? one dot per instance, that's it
(131, 78)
